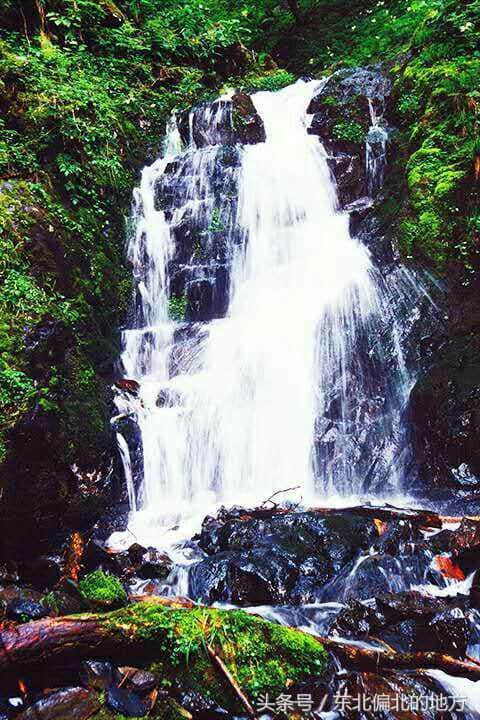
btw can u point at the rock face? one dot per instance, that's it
(204, 233)
(284, 559)
(445, 418)
(344, 109)
(223, 122)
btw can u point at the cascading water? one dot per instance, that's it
(286, 368)
(260, 400)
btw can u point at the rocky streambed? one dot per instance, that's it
(393, 596)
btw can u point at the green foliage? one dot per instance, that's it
(270, 81)
(432, 48)
(349, 131)
(177, 306)
(103, 590)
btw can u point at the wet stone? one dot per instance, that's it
(358, 619)
(42, 572)
(75, 703)
(200, 707)
(25, 610)
(451, 632)
(126, 703)
(96, 674)
(141, 681)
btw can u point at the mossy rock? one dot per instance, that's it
(262, 657)
(102, 591)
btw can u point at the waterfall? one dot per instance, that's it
(297, 379)
(376, 152)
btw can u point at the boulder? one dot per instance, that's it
(222, 122)
(284, 558)
(96, 674)
(25, 610)
(41, 572)
(444, 414)
(74, 703)
(126, 703)
(344, 109)
(140, 681)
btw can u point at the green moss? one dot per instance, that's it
(262, 656)
(349, 131)
(102, 590)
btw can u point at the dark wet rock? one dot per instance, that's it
(444, 412)
(10, 593)
(301, 534)
(354, 86)
(136, 562)
(475, 591)
(41, 572)
(357, 620)
(149, 563)
(204, 235)
(374, 575)
(348, 170)
(83, 510)
(6, 711)
(393, 697)
(342, 116)
(25, 610)
(223, 122)
(64, 602)
(464, 545)
(450, 632)
(257, 577)
(115, 519)
(279, 559)
(401, 537)
(75, 703)
(96, 556)
(96, 674)
(357, 211)
(126, 703)
(410, 604)
(140, 681)
(201, 707)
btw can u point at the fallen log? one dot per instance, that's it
(145, 628)
(421, 518)
(384, 513)
(175, 643)
(371, 660)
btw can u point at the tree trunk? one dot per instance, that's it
(116, 634)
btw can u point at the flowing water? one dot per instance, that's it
(296, 380)
(263, 401)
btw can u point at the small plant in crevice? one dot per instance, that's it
(349, 132)
(177, 307)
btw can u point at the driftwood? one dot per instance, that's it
(84, 636)
(420, 518)
(370, 660)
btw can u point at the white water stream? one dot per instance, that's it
(302, 292)
(307, 311)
